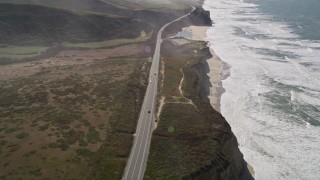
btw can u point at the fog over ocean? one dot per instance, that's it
(272, 98)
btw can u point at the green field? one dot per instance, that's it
(21, 52)
(11, 54)
(108, 43)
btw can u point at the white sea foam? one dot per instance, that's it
(272, 98)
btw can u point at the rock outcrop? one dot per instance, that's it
(199, 17)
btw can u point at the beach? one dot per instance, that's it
(218, 72)
(198, 32)
(215, 74)
(215, 66)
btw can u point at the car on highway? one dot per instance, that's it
(155, 73)
(148, 111)
(150, 81)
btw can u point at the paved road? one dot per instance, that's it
(136, 165)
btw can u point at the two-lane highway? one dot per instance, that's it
(136, 165)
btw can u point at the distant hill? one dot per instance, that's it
(24, 24)
(83, 5)
(126, 8)
(175, 4)
(113, 6)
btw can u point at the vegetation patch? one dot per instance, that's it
(30, 153)
(109, 43)
(21, 52)
(73, 116)
(84, 152)
(93, 136)
(22, 135)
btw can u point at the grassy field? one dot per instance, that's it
(108, 43)
(70, 121)
(13, 54)
(21, 52)
(188, 136)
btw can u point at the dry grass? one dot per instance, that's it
(21, 52)
(65, 119)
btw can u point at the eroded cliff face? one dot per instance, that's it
(202, 84)
(200, 17)
(229, 163)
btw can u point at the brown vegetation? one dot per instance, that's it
(71, 116)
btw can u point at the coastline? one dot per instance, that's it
(200, 134)
(218, 71)
(215, 152)
(216, 66)
(215, 74)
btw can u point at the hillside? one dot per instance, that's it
(121, 8)
(23, 24)
(83, 5)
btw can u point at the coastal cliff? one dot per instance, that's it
(229, 163)
(192, 139)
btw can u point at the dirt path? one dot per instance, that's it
(189, 101)
(172, 99)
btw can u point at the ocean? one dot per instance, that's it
(271, 49)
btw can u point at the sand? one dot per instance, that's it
(215, 65)
(215, 74)
(198, 32)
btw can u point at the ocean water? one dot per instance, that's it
(272, 98)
